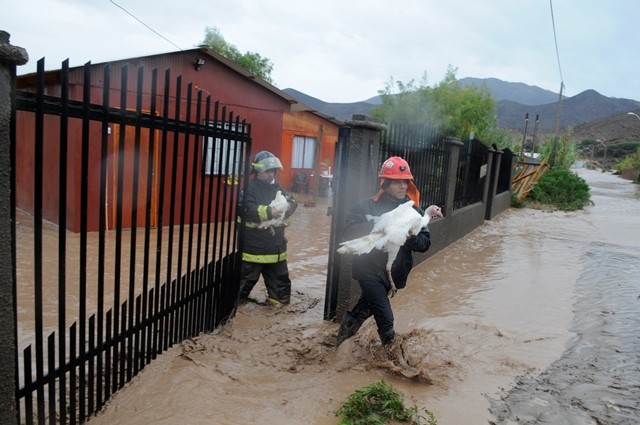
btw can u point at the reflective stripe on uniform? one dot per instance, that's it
(264, 258)
(263, 215)
(285, 223)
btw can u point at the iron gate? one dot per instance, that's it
(124, 229)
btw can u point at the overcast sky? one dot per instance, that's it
(348, 50)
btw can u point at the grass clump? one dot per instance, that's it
(379, 403)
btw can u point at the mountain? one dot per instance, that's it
(516, 92)
(584, 107)
(513, 102)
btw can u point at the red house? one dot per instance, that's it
(303, 139)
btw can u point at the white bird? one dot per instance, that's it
(279, 203)
(390, 232)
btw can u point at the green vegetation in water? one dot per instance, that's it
(562, 189)
(379, 403)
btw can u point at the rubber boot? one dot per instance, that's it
(348, 328)
(387, 338)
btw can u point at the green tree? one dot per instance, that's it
(251, 61)
(448, 107)
(560, 152)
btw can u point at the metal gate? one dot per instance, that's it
(124, 229)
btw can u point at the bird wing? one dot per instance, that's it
(361, 245)
(391, 218)
(388, 233)
(402, 222)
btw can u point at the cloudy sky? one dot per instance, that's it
(348, 50)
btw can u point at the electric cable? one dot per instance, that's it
(137, 19)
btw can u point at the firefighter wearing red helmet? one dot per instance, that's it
(395, 168)
(396, 187)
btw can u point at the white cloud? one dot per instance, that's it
(345, 51)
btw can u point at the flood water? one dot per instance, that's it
(531, 318)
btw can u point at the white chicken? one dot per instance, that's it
(279, 203)
(390, 232)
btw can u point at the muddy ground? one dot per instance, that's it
(507, 325)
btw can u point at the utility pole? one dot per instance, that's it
(603, 143)
(524, 135)
(535, 131)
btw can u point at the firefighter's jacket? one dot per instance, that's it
(372, 265)
(263, 245)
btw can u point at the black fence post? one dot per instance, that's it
(454, 146)
(494, 169)
(10, 57)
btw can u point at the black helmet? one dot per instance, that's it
(265, 160)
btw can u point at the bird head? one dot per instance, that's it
(434, 211)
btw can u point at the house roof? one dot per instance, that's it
(296, 105)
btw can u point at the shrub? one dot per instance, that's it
(562, 189)
(631, 161)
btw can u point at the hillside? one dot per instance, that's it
(612, 129)
(513, 101)
(582, 108)
(517, 92)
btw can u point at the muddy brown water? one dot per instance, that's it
(531, 318)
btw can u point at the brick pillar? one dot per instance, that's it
(355, 178)
(10, 57)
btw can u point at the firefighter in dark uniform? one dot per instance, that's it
(265, 250)
(396, 187)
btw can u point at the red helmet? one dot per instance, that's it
(395, 168)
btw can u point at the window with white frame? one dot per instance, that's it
(304, 152)
(217, 152)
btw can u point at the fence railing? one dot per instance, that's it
(424, 149)
(472, 172)
(126, 236)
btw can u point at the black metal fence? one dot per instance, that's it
(505, 176)
(424, 149)
(161, 178)
(472, 172)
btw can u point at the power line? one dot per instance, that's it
(555, 38)
(559, 105)
(136, 18)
